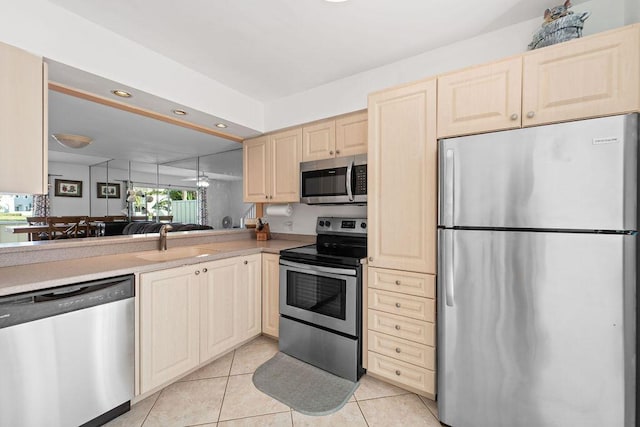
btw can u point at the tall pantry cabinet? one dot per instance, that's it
(402, 208)
(23, 122)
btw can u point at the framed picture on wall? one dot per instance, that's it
(68, 188)
(110, 189)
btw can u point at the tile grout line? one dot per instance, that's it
(152, 406)
(251, 416)
(362, 413)
(225, 387)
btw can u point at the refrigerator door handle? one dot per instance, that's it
(448, 266)
(449, 162)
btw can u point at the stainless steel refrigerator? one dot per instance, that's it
(537, 276)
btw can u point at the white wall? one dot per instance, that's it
(65, 206)
(46, 29)
(632, 11)
(350, 94)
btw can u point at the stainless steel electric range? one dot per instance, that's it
(321, 297)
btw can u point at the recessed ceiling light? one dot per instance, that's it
(221, 125)
(179, 112)
(335, 1)
(121, 93)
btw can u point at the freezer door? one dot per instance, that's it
(536, 329)
(578, 175)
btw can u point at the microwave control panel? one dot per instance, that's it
(360, 178)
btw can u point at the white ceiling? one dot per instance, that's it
(271, 49)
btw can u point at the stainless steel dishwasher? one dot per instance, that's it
(66, 354)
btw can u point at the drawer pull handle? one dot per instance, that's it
(398, 350)
(398, 282)
(514, 116)
(397, 327)
(266, 197)
(398, 373)
(397, 305)
(531, 114)
(246, 262)
(331, 152)
(337, 151)
(204, 270)
(370, 259)
(197, 272)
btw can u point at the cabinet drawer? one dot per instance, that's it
(403, 305)
(402, 372)
(398, 326)
(407, 351)
(422, 285)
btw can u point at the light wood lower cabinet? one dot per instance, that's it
(401, 321)
(169, 325)
(270, 294)
(194, 313)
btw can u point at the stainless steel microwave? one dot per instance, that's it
(338, 181)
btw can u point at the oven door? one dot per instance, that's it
(322, 296)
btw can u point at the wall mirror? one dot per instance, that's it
(136, 166)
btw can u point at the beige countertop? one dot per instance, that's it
(29, 277)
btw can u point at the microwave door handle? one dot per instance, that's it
(349, 180)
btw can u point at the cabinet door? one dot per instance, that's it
(480, 99)
(285, 158)
(402, 178)
(219, 296)
(255, 171)
(352, 135)
(249, 302)
(169, 325)
(319, 141)
(23, 122)
(270, 294)
(582, 78)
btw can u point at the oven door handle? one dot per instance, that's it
(320, 268)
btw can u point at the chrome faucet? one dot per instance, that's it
(163, 236)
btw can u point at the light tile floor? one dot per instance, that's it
(222, 394)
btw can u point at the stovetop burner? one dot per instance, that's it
(341, 241)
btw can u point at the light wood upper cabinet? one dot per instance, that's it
(285, 166)
(402, 178)
(271, 168)
(480, 99)
(345, 136)
(256, 169)
(169, 325)
(23, 122)
(590, 77)
(352, 134)
(270, 294)
(319, 141)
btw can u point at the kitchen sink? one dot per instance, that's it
(175, 253)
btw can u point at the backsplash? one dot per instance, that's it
(303, 219)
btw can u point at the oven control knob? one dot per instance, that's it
(321, 223)
(363, 225)
(327, 223)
